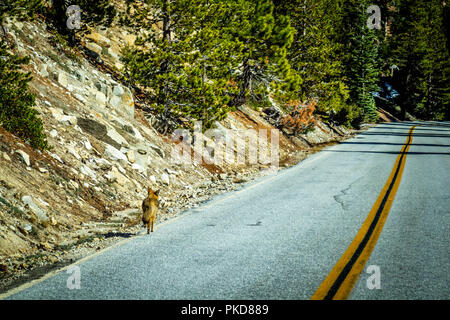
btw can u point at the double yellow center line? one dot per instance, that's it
(340, 281)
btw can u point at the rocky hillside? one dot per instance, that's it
(85, 193)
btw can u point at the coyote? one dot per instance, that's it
(149, 208)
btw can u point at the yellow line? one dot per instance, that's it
(340, 281)
(265, 179)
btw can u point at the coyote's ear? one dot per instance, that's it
(156, 192)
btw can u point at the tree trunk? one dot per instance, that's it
(240, 99)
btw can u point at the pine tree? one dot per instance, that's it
(421, 59)
(182, 58)
(266, 37)
(315, 53)
(16, 101)
(361, 58)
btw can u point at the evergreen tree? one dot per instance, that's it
(16, 101)
(421, 59)
(266, 36)
(315, 54)
(182, 58)
(361, 57)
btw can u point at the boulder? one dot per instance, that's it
(94, 47)
(43, 70)
(165, 178)
(118, 91)
(99, 39)
(53, 133)
(40, 214)
(100, 98)
(130, 156)
(116, 137)
(115, 176)
(101, 132)
(114, 154)
(24, 156)
(62, 79)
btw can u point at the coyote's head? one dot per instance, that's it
(152, 193)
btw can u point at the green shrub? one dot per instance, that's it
(350, 116)
(16, 101)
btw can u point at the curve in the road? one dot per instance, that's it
(343, 276)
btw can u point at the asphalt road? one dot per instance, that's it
(279, 237)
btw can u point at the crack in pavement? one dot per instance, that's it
(344, 192)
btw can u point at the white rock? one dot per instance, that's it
(94, 47)
(62, 79)
(113, 134)
(80, 97)
(100, 98)
(103, 163)
(6, 157)
(114, 154)
(37, 211)
(53, 133)
(137, 167)
(115, 101)
(87, 145)
(153, 179)
(61, 117)
(43, 70)
(55, 156)
(137, 134)
(72, 120)
(44, 203)
(131, 157)
(118, 91)
(171, 171)
(165, 178)
(115, 176)
(122, 170)
(24, 156)
(73, 152)
(84, 169)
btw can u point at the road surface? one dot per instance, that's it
(282, 236)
